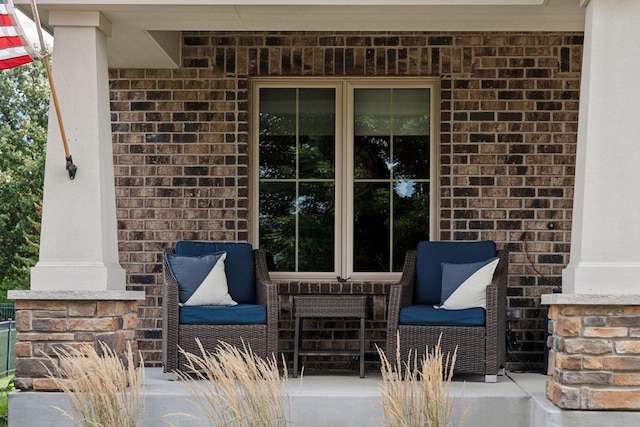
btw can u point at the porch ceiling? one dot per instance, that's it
(145, 33)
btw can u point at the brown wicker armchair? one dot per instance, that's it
(480, 349)
(262, 337)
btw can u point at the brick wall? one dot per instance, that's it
(509, 112)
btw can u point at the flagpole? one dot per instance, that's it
(71, 168)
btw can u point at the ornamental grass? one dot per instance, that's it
(418, 394)
(234, 387)
(103, 390)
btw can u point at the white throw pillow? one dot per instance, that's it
(213, 290)
(473, 291)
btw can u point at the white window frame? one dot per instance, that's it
(344, 87)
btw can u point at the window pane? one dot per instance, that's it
(316, 233)
(297, 178)
(371, 227)
(411, 218)
(411, 157)
(411, 133)
(391, 151)
(277, 133)
(411, 111)
(372, 112)
(317, 133)
(277, 223)
(371, 157)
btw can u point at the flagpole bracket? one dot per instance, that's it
(71, 168)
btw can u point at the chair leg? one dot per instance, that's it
(490, 378)
(362, 347)
(296, 346)
(171, 376)
(501, 372)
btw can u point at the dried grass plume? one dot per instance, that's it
(234, 387)
(103, 390)
(419, 393)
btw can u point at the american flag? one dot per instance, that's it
(15, 49)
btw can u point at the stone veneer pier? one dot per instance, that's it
(594, 356)
(49, 320)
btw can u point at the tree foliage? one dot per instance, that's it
(24, 104)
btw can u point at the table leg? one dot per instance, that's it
(362, 347)
(296, 346)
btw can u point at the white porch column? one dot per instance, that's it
(78, 247)
(605, 241)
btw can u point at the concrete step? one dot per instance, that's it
(338, 400)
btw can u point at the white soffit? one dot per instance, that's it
(135, 48)
(146, 33)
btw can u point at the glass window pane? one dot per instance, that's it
(277, 133)
(371, 225)
(316, 241)
(411, 157)
(371, 157)
(277, 223)
(391, 150)
(372, 111)
(316, 131)
(411, 111)
(297, 178)
(411, 218)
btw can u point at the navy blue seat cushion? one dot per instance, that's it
(429, 259)
(427, 315)
(239, 265)
(241, 314)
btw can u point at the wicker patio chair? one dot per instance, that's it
(242, 263)
(480, 349)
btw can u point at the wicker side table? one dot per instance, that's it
(310, 306)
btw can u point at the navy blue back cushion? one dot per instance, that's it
(430, 255)
(239, 265)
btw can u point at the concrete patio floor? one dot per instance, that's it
(336, 400)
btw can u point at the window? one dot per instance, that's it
(343, 174)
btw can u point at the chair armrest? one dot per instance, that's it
(400, 295)
(496, 314)
(170, 314)
(264, 285)
(267, 295)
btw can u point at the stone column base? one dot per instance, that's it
(49, 320)
(594, 359)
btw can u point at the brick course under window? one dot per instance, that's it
(509, 119)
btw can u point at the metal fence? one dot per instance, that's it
(7, 311)
(7, 343)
